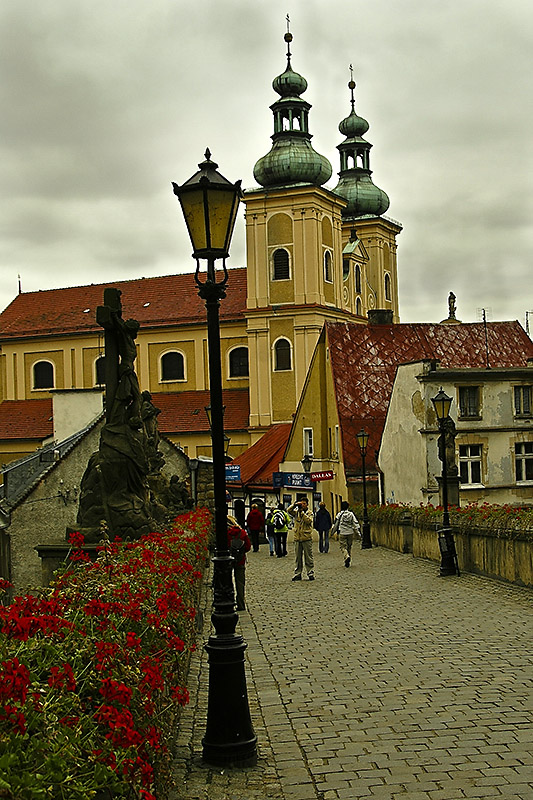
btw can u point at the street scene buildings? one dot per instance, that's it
(312, 348)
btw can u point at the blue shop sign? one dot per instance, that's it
(297, 480)
(233, 472)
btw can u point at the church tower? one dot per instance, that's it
(313, 254)
(293, 240)
(373, 282)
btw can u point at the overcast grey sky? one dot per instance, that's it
(105, 102)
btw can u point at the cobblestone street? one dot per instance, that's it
(381, 681)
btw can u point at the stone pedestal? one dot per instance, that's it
(54, 556)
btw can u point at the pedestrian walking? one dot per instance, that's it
(281, 521)
(255, 522)
(269, 524)
(239, 544)
(303, 539)
(347, 526)
(323, 525)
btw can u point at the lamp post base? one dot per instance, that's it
(366, 541)
(448, 554)
(229, 738)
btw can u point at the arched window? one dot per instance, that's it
(328, 267)
(388, 295)
(99, 371)
(359, 308)
(345, 268)
(43, 375)
(281, 270)
(172, 366)
(282, 355)
(358, 279)
(238, 362)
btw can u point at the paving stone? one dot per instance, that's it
(382, 681)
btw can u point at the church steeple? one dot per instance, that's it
(292, 158)
(355, 184)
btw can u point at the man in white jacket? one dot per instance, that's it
(347, 526)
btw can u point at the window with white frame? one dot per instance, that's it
(522, 401)
(524, 461)
(282, 355)
(280, 265)
(469, 405)
(388, 292)
(43, 375)
(238, 362)
(328, 267)
(470, 463)
(172, 366)
(308, 441)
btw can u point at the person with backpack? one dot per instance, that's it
(323, 525)
(239, 544)
(281, 522)
(269, 525)
(347, 526)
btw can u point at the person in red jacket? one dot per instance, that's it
(239, 544)
(255, 522)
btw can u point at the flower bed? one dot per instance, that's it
(93, 669)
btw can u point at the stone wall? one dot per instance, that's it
(480, 551)
(51, 505)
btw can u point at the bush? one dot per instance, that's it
(93, 669)
(504, 521)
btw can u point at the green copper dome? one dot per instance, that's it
(355, 184)
(289, 83)
(292, 158)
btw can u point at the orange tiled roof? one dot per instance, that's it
(184, 412)
(364, 359)
(263, 458)
(26, 419)
(154, 302)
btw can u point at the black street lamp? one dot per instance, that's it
(362, 440)
(306, 462)
(209, 203)
(448, 564)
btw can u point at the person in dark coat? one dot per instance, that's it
(322, 524)
(241, 539)
(255, 522)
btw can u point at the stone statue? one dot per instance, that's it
(123, 485)
(447, 446)
(451, 306)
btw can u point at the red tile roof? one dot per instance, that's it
(364, 359)
(263, 458)
(184, 412)
(26, 419)
(154, 302)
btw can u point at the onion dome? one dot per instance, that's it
(355, 184)
(292, 158)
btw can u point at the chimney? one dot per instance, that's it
(380, 316)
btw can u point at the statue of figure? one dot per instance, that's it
(451, 306)
(149, 414)
(123, 483)
(447, 446)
